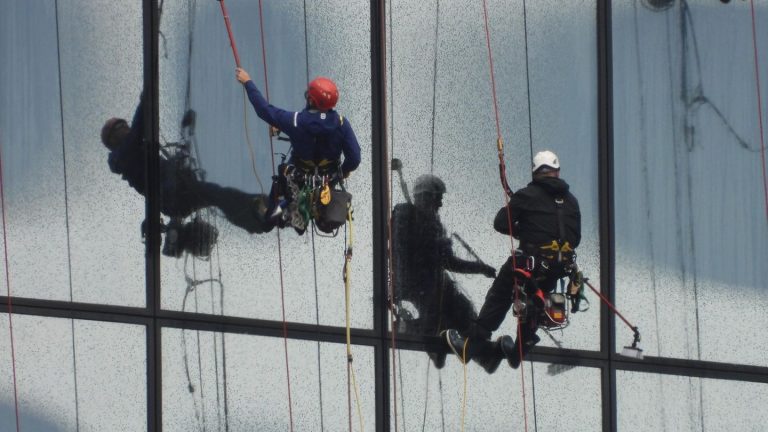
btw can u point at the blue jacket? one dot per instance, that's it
(314, 135)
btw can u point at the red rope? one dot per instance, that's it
(10, 303)
(507, 191)
(229, 32)
(279, 242)
(759, 108)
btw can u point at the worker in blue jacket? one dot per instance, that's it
(318, 134)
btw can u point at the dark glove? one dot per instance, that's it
(489, 271)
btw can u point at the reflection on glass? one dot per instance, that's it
(74, 374)
(689, 200)
(182, 191)
(442, 118)
(428, 298)
(545, 218)
(233, 147)
(680, 403)
(215, 381)
(557, 397)
(64, 214)
(305, 189)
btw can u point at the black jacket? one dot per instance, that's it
(422, 251)
(534, 214)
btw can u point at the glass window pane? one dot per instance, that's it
(433, 399)
(73, 226)
(689, 194)
(442, 124)
(650, 402)
(230, 147)
(85, 375)
(213, 381)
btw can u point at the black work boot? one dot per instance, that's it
(438, 358)
(457, 344)
(509, 348)
(512, 351)
(490, 361)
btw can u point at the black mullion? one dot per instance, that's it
(267, 328)
(380, 209)
(53, 305)
(151, 20)
(605, 186)
(692, 368)
(85, 315)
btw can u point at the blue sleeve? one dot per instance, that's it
(350, 147)
(277, 117)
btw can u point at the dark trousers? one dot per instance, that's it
(442, 308)
(499, 300)
(186, 194)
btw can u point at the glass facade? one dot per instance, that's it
(122, 123)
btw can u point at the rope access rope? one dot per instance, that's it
(759, 107)
(8, 293)
(66, 217)
(392, 275)
(507, 195)
(271, 144)
(317, 321)
(347, 286)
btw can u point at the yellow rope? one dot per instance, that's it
(347, 283)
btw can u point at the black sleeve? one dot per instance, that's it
(458, 265)
(577, 228)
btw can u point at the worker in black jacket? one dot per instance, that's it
(545, 218)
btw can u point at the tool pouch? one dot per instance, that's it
(330, 216)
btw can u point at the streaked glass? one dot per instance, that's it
(442, 120)
(437, 399)
(197, 72)
(689, 196)
(216, 381)
(73, 375)
(73, 227)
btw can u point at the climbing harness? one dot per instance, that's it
(316, 197)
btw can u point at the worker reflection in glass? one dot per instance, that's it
(181, 191)
(545, 217)
(423, 255)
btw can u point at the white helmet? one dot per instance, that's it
(545, 158)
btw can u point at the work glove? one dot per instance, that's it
(489, 271)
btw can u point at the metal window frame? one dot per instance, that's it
(155, 319)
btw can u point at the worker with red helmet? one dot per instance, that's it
(318, 134)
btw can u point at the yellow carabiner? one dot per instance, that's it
(325, 195)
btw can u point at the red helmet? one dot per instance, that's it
(323, 94)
